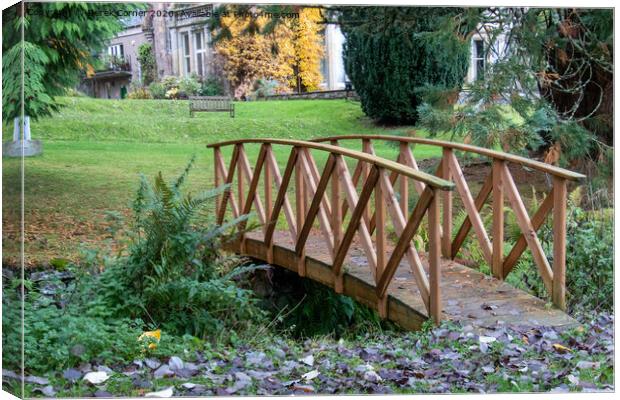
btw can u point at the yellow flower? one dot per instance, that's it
(156, 334)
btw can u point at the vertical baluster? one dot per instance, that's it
(446, 239)
(336, 217)
(380, 240)
(240, 180)
(559, 242)
(217, 178)
(300, 200)
(404, 181)
(268, 185)
(497, 268)
(434, 258)
(366, 148)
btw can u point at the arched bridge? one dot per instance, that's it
(386, 234)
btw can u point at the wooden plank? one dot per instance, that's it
(410, 161)
(528, 162)
(497, 267)
(470, 207)
(240, 182)
(526, 227)
(559, 243)
(520, 245)
(315, 208)
(288, 210)
(400, 228)
(482, 197)
(371, 225)
(300, 205)
(357, 173)
(358, 205)
(281, 196)
(367, 148)
(312, 193)
(434, 259)
(446, 239)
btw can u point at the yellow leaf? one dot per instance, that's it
(153, 334)
(561, 349)
(152, 346)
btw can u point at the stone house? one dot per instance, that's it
(181, 41)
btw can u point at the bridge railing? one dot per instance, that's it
(500, 185)
(325, 196)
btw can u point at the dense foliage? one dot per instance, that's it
(547, 85)
(146, 58)
(394, 55)
(173, 278)
(57, 45)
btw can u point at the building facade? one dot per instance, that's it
(182, 45)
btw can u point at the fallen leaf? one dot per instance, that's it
(561, 349)
(96, 378)
(310, 375)
(168, 392)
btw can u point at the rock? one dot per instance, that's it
(279, 353)
(175, 363)
(168, 392)
(142, 383)
(103, 393)
(72, 375)
(163, 371)
(152, 363)
(47, 391)
(308, 360)
(303, 388)
(95, 378)
(103, 368)
(37, 380)
(310, 375)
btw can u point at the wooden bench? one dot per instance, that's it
(211, 104)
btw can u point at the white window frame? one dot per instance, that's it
(475, 58)
(187, 58)
(200, 52)
(116, 50)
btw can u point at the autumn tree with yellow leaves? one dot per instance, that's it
(253, 47)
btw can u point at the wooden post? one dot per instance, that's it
(497, 267)
(434, 258)
(216, 168)
(240, 184)
(559, 242)
(404, 181)
(336, 220)
(300, 200)
(268, 180)
(446, 240)
(380, 240)
(366, 148)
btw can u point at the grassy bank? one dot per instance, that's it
(94, 150)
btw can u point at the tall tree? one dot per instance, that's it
(57, 42)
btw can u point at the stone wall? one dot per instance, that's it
(323, 95)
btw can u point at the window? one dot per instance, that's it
(116, 50)
(478, 59)
(186, 54)
(200, 51)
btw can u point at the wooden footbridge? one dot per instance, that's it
(384, 234)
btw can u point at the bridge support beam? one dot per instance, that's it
(434, 258)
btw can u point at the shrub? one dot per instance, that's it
(174, 275)
(211, 87)
(406, 49)
(266, 87)
(189, 86)
(170, 82)
(139, 92)
(157, 89)
(173, 93)
(146, 58)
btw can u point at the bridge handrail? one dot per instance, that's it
(392, 166)
(540, 166)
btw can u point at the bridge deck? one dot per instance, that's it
(468, 296)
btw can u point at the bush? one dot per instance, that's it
(139, 92)
(189, 86)
(158, 91)
(146, 58)
(211, 87)
(174, 275)
(170, 82)
(388, 62)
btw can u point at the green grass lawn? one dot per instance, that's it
(94, 151)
